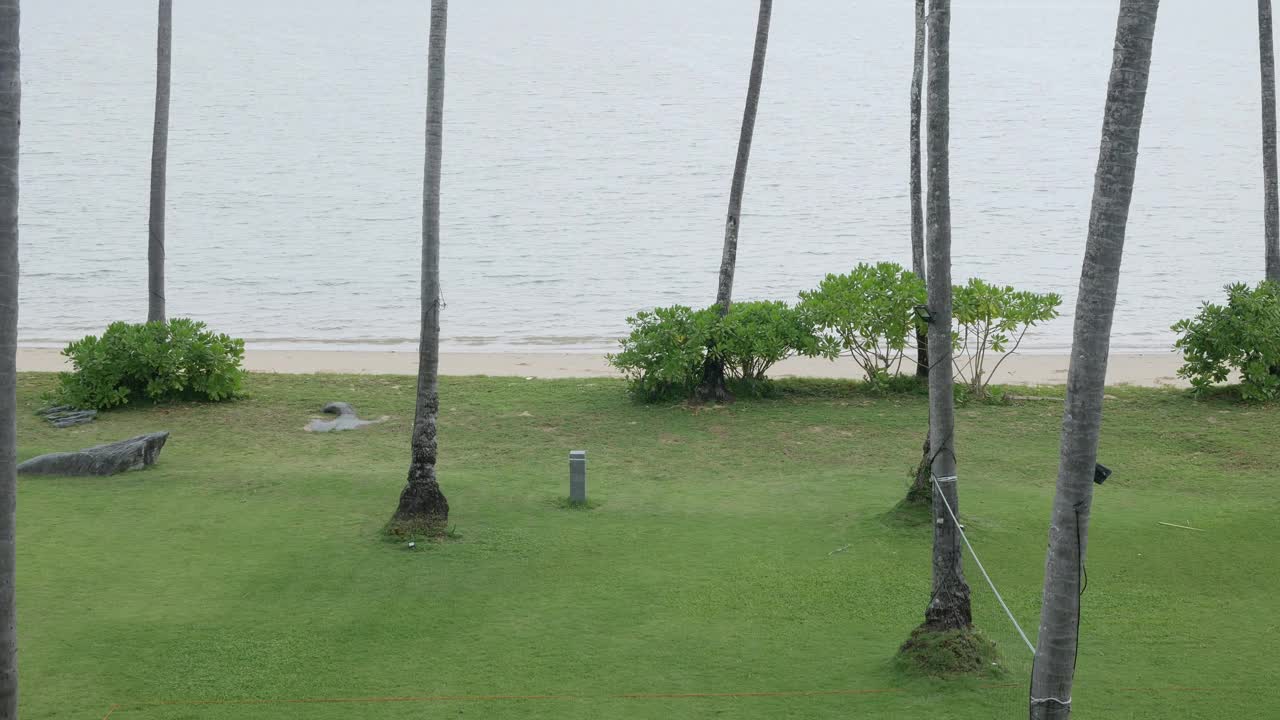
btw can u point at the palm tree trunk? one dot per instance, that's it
(713, 381)
(919, 493)
(1054, 668)
(1267, 59)
(949, 606)
(10, 105)
(422, 499)
(159, 162)
(917, 204)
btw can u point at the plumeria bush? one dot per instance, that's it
(756, 335)
(868, 314)
(155, 361)
(990, 322)
(664, 356)
(1242, 336)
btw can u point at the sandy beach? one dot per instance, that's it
(1145, 369)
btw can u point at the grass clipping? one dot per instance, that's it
(948, 653)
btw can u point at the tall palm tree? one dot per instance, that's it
(10, 107)
(713, 381)
(917, 204)
(1054, 669)
(948, 607)
(159, 161)
(422, 500)
(919, 493)
(1267, 60)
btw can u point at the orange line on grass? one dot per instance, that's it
(488, 698)
(782, 693)
(624, 696)
(306, 701)
(1171, 688)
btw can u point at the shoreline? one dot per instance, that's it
(1147, 369)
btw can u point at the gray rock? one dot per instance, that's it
(63, 416)
(346, 420)
(117, 457)
(72, 417)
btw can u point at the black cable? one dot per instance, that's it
(1082, 579)
(946, 445)
(1081, 582)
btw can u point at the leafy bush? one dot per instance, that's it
(157, 361)
(756, 335)
(989, 320)
(868, 313)
(663, 357)
(1243, 336)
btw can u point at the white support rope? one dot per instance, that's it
(1007, 611)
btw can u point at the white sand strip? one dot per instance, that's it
(1146, 369)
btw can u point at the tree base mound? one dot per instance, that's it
(417, 529)
(921, 490)
(909, 513)
(919, 495)
(948, 653)
(714, 386)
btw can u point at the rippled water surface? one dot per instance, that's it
(588, 147)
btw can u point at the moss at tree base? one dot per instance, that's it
(948, 653)
(909, 513)
(416, 529)
(920, 494)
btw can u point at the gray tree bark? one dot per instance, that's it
(713, 381)
(1054, 669)
(1271, 191)
(159, 163)
(729, 257)
(917, 203)
(949, 605)
(422, 499)
(920, 491)
(10, 113)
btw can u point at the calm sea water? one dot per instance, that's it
(588, 152)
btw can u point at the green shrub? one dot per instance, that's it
(990, 320)
(1243, 336)
(662, 358)
(756, 335)
(868, 313)
(156, 361)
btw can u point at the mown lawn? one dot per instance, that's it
(247, 565)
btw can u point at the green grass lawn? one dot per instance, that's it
(247, 565)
